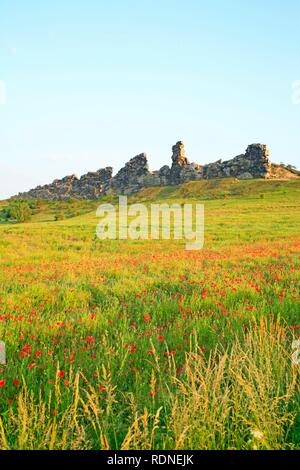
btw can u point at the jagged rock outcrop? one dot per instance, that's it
(135, 175)
(253, 164)
(59, 189)
(93, 184)
(132, 176)
(164, 175)
(89, 186)
(179, 162)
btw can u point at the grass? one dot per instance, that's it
(140, 344)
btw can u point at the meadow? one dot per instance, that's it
(141, 344)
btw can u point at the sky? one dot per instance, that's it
(86, 84)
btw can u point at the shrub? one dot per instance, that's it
(59, 216)
(20, 211)
(5, 214)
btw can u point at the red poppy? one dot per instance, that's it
(90, 339)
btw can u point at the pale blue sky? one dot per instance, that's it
(90, 83)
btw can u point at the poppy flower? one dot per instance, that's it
(90, 339)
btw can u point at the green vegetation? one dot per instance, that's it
(140, 344)
(17, 211)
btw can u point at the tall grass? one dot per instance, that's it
(245, 397)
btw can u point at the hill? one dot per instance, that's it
(141, 344)
(232, 204)
(135, 175)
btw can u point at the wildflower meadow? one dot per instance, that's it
(141, 344)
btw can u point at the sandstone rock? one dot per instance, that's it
(89, 186)
(190, 172)
(93, 184)
(131, 177)
(59, 189)
(179, 161)
(135, 175)
(178, 156)
(258, 157)
(152, 179)
(253, 164)
(164, 175)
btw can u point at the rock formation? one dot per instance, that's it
(93, 184)
(135, 175)
(253, 164)
(131, 177)
(179, 162)
(89, 186)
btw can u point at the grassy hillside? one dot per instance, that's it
(201, 191)
(140, 344)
